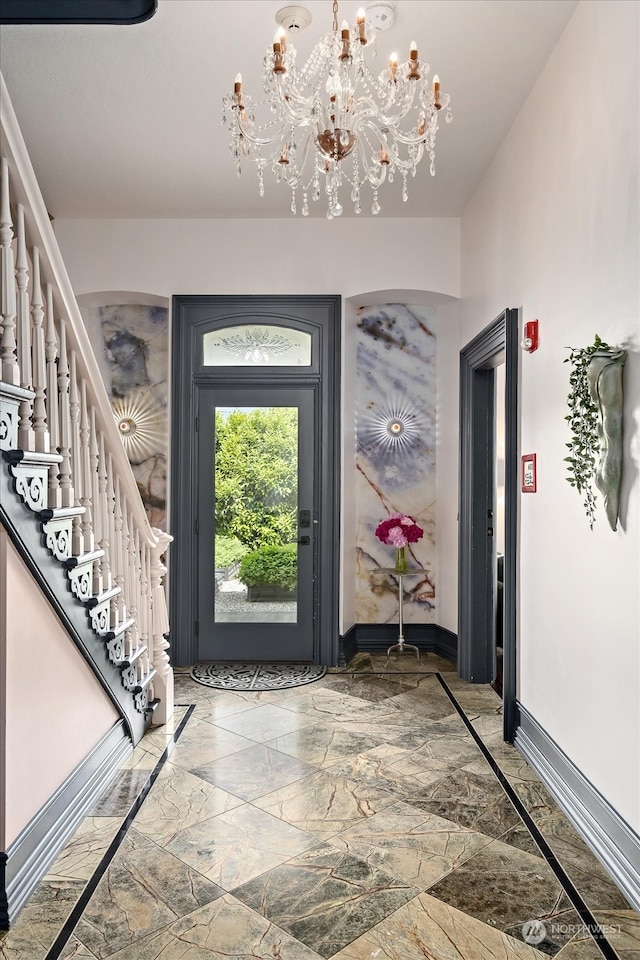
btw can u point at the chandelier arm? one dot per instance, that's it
(244, 133)
(375, 178)
(413, 140)
(287, 93)
(296, 176)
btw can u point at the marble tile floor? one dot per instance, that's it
(354, 818)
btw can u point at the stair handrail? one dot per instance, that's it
(50, 283)
(38, 223)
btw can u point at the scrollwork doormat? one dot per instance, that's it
(256, 676)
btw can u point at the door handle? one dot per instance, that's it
(305, 541)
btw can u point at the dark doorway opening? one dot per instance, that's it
(478, 614)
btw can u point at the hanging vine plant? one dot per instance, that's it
(583, 422)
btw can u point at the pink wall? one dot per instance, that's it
(53, 710)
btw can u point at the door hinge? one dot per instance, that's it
(197, 424)
(197, 527)
(196, 627)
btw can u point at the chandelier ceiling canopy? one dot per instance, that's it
(334, 125)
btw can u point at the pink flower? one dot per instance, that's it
(396, 537)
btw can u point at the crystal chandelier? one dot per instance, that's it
(333, 122)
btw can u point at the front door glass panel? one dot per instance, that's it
(256, 523)
(255, 485)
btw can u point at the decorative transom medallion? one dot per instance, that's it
(257, 346)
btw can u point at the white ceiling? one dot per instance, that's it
(124, 121)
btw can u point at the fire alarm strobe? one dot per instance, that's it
(529, 340)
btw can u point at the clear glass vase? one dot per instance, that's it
(402, 563)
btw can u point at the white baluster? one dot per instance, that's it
(117, 553)
(76, 453)
(127, 547)
(51, 354)
(163, 681)
(134, 584)
(65, 436)
(88, 537)
(23, 321)
(104, 511)
(10, 372)
(144, 608)
(95, 499)
(39, 362)
(112, 552)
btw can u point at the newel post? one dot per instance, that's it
(163, 681)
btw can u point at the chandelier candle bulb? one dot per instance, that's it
(360, 19)
(278, 65)
(413, 72)
(436, 91)
(237, 92)
(393, 66)
(346, 52)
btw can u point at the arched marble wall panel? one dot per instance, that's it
(396, 378)
(131, 342)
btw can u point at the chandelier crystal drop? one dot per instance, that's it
(333, 127)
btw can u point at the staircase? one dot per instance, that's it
(71, 511)
(68, 497)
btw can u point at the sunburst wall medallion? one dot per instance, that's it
(141, 426)
(392, 425)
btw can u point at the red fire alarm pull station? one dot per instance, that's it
(529, 341)
(529, 473)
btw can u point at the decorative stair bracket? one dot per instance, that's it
(130, 669)
(10, 399)
(141, 692)
(80, 573)
(30, 472)
(116, 644)
(99, 609)
(57, 528)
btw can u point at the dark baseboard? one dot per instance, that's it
(611, 839)
(347, 646)
(29, 857)
(377, 637)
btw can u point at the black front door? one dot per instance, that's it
(255, 465)
(256, 523)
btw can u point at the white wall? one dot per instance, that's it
(553, 229)
(54, 711)
(167, 257)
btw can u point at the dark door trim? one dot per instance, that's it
(191, 316)
(476, 603)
